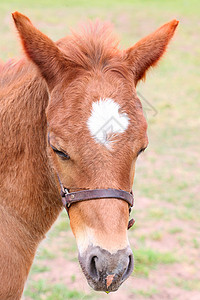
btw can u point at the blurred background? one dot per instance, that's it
(166, 236)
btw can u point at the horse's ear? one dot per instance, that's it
(147, 52)
(40, 49)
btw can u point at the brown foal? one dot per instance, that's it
(70, 111)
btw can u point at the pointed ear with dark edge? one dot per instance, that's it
(147, 52)
(40, 49)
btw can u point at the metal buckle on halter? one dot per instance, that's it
(63, 193)
(66, 191)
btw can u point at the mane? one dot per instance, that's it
(94, 46)
(13, 70)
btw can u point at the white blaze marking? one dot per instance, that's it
(105, 120)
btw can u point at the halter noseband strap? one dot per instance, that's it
(70, 198)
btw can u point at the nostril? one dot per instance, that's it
(129, 268)
(93, 267)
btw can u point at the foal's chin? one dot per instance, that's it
(106, 271)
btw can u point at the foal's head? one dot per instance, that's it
(96, 131)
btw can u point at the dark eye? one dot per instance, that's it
(60, 153)
(141, 150)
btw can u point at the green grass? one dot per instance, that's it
(73, 278)
(156, 236)
(142, 239)
(187, 284)
(41, 290)
(175, 230)
(196, 243)
(148, 259)
(45, 253)
(182, 241)
(149, 293)
(39, 269)
(158, 213)
(62, 226)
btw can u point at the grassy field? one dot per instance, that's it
(166, 237)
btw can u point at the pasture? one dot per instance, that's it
(166, 237)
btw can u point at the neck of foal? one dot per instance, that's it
(28, 185)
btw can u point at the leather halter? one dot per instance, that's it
(84, 195)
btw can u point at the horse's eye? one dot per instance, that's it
(60, 153)
(141, 150)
